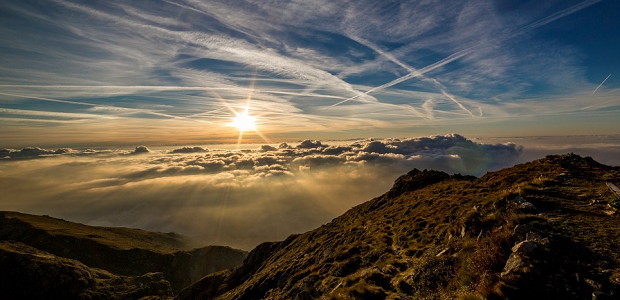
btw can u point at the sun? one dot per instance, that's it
(244, 122)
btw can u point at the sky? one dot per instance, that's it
(238, 122)
(101, 73)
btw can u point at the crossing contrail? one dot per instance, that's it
(418, 73)
(415, 73)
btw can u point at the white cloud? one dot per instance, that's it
(242, 198)
(238, 198)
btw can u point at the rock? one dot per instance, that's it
(521, 230)
(525, 247)
(523, 205)
(536, 237)
(515, 261)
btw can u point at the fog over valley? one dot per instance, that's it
(231, 197)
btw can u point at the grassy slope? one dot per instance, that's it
(448, 240)
(116, 237)
(121, 251)
(29, 273)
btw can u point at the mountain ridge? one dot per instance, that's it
(536, 230)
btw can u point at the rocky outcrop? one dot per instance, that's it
(523, 255)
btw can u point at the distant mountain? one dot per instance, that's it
(46, 258)
(547, 229)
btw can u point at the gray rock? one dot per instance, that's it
(515, 261)
(525, 247)
(523, 204)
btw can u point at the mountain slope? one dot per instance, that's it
(541, 230)
(120, 251)
(29, 273)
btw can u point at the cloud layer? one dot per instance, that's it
(232, 197)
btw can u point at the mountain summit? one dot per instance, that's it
(547, 229)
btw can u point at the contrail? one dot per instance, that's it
(116, 87)
(457, 55)
(101, 106)
(166, 88)
(384, 53)
(599, 86)
(457, 103)
(561, 14)
(419, 73)
(415, 73)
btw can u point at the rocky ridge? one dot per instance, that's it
(539, 230)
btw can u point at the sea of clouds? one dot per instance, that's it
(230, 197)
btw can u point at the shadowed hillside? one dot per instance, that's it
(28, 273)
(123, 254)
(547, 229)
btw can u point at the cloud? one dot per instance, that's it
(189, 150)
(37, 152)
(309, 144)
(238, 198)
(30, 152)
(141, 150)
(603, 148)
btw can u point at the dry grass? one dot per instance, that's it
(450, 239)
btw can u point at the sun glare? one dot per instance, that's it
(244, 122)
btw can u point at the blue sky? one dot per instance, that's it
(76, 73)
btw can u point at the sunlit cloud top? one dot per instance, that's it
(227, 196)
(179, 72)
